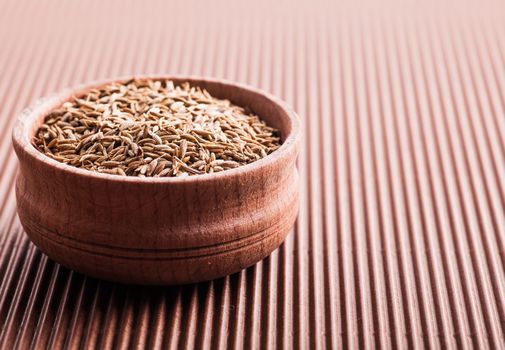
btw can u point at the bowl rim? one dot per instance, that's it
(24, 124)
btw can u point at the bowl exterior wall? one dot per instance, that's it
(158, 233)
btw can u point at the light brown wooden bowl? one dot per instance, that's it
(160, 230)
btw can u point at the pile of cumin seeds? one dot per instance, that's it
(154, 128)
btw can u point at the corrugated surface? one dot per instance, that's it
(400, 239)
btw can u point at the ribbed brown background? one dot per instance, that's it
(400, 239)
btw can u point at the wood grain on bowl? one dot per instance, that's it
(160, 230)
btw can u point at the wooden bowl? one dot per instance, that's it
(160, 230)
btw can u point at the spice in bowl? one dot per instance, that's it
(153, 128)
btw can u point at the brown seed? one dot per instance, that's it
(154, 128)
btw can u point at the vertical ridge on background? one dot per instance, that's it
(427, 320)
(350, 299)
(400, 239)
(454, 193)
(438, 193)
(476, 205)
(377, 264)
(361, 227)
(422, 225)
(395, 303)
(315, 166)
(401, 212)
(301, 273)
(329, 240)
(470, 255)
